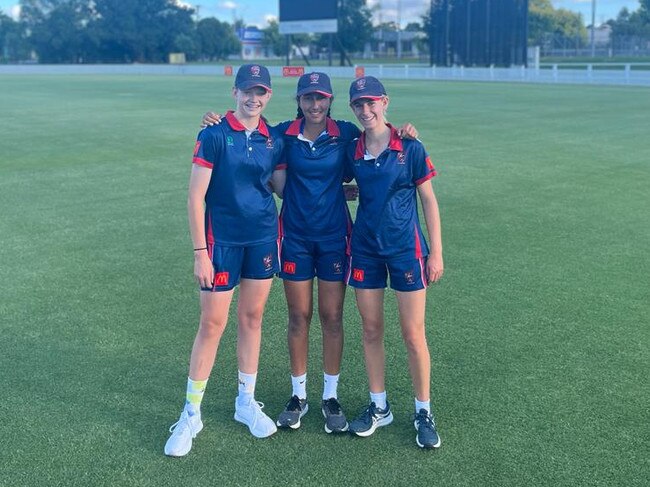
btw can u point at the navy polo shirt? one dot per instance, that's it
(314, 206)
(387, 223)
(239, 206)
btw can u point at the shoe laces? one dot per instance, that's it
(425, 419)
(370, 412)
(293, 404)
(183, 422)
(333, 405)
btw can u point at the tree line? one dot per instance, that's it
(147, 31)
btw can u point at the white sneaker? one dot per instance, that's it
(259, 424)
(183, 431)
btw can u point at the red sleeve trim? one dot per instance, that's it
(425, 178)
(202, 162)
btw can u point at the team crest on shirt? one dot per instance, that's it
(361, 84)
(314, 78)
(229, 141)
(269, 143)
(255, 70)
(268, 262)
(401, 158)
(409, 278)
(337, 268)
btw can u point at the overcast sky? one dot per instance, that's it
(257, 12)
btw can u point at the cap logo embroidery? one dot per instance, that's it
(255, 70)
(314, 78)
(361, 84)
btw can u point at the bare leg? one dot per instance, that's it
(300, 305)
(214, 317)
(371, 307)
(411, 315)
(253, 294)
(330, 310)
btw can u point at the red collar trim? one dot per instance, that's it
(296, 127)
(237, 125)
(395, 143)
(361, 147)
(332, 128)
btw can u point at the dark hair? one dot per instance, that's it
(300, 114)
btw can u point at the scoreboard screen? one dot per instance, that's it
(303, 17)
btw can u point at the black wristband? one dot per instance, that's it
(201, 248)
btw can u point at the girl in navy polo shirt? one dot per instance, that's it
(233, 223)
(387, 240)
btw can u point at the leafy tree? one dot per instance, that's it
(57, 29)
(631, 29)
(13, 46)
(354, 28)
(275, 42)
(142, 31)
(414, 27)
(216, 39)
(544, 21)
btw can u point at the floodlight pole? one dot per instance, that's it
(593, 28)
(331, 45)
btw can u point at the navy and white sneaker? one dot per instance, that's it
(295, 409)
(425, 425)
(335, 420)
(370, 419)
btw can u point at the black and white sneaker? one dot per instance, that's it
(370, 419)
(295, 409)
(425, 425)
(335, 421)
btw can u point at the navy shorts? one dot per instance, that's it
(301, 260)
(371, 273)
(232, 263)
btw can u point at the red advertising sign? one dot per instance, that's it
(293, 70)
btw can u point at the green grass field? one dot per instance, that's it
(539, 332)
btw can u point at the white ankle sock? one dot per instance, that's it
(330, 386)
(246, 387)
(379, 398)
(299, 386)
(426, 405)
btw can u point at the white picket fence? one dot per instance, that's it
(632, 74)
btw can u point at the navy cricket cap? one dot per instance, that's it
(367, 87)
(314, 83)
(252, 75)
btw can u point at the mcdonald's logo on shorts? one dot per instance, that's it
(289, 267)
(357, 274)
(221, 279)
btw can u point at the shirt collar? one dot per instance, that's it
(296, 126)
(395, 143)
(238, 126)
